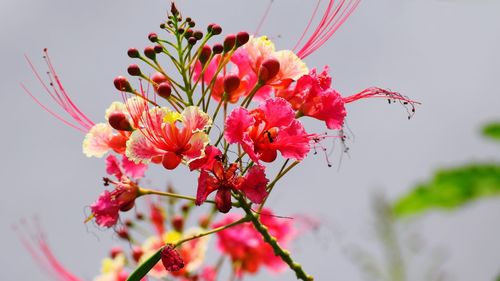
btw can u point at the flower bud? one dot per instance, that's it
(162, 25)
(189, 19)
(164, 90)
(192, 24)
(133, 53)
(158, 49)
(205, 53)
(115, 251)
(137, 253)
(192, 41)
(181, 30)
(171, 259)
(231, 83)
(242, 38)
(216, 29)
(153, 37)
(209, 27)
(173, 9)
(134, 70)
(119, 121)
(122, 84)
(217, 49)
(123, 233)
(269, 69)
(229, 42)
(150, 53)
(188, 33)
(178, 223)
(198, 35)
(158, 78)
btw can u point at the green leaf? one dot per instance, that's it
(145, 267)
(451, 188)
(492, 130)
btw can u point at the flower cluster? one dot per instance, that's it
(233, 107)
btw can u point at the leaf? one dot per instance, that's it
(451, 188)
(145, 267)
(492, 130)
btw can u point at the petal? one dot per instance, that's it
(132, 169)
(205, 187)
(195, 119)
(293, 141)
(332, 110)
(139, 149)
(254, 185)
(115, 106)
(96, 142)
(113, 166)
(207, 162)
(105, 210)
(198, 142)
(291, 66)
(237, 124)
(278, 112)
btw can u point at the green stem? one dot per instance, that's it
(273, 242)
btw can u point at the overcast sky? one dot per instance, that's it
(443, 53)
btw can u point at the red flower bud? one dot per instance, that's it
(178, 223)
(158, 78)
(198, 34)
(150, 53)
(205, 53)
(231, 83)
(133, 53)
(229, 42)
(123, 233)
(158, 49)
(216, 29)
(268, 69)
(192, 41)
(164, 90)
(119, 121)
(171, 259)
(122, 84)
(153, 37)
(217, 49)
(242, 38)
(134, 70)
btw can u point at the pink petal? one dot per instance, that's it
(207, 162)
(105, 210)
(195, 119)
(293, 141)
(237, 124)
(205, 187)
(113, 166)
(278, 112)
(132, 169)
(96, 142)
(139, 149)
(255, 183)
(197, 142)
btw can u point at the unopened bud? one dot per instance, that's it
(188, 19)
(119, 121)
(205, 53)
(134, 70)
(162, 25)
(198, 35)
(173, 9)
(158, 78)
(192, 24)
(268, 69)
(150, 53)
(133, 53)
(216, 29)
(153, 37)
(158, 49)
(137, 253)
(122, 84)
(188, 33)
(231, 83)
(181, 30)
(229, 42)
(164, 90)
(178, 223)
(242, 38)
(123, 233)
(115, 251)
(217, 49)
(192, 41)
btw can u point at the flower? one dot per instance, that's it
(225, 180)
(159, 136)
(270, 128)
(246, 247)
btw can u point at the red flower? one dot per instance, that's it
(171, 259)
(253, 185)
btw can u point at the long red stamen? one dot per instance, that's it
(335, 15)
(374, 92)
(41, 252)
(57, 92)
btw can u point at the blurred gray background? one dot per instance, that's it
(442, 53)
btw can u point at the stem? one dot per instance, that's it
(143, 191)
(273, 242)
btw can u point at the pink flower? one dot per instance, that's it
(161, 137)
(114, 167)
(270, 128)
(246, 247)
(106, 209)
(225, 180)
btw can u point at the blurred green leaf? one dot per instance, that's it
(451, 188)
(492, 130)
